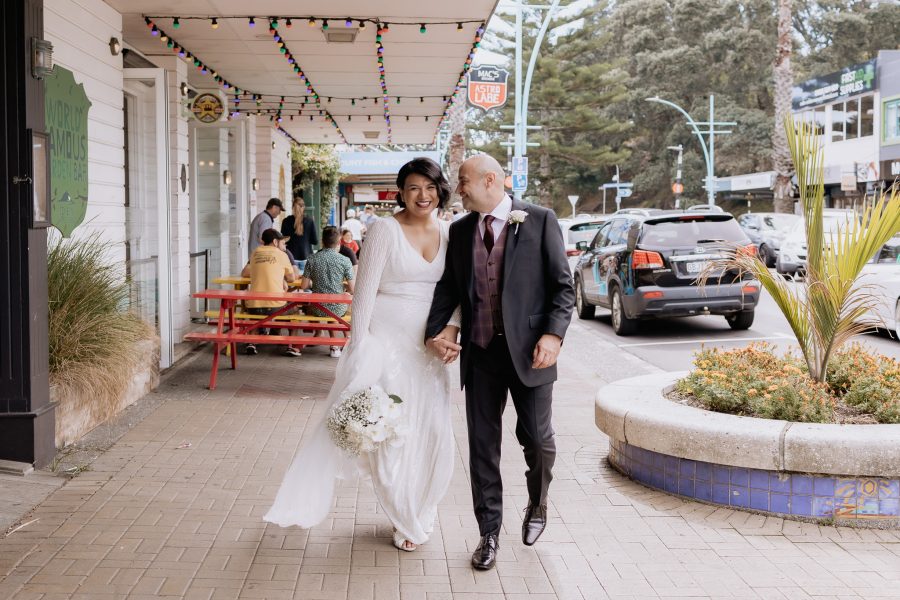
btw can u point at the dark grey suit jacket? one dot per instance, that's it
(538, 295)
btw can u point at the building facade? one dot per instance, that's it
(856, 111)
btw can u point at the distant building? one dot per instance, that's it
(857, 111)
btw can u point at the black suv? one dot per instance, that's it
(646, 265)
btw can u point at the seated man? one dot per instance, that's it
(325, 273)
(269, 269)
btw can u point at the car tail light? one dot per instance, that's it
(644, 259)
(653, 294)
(749, 250)
(750, 288)
(573, 252)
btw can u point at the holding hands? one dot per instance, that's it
(444, 344)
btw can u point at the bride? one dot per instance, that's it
(401, 261)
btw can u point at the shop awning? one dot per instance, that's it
(425, 48)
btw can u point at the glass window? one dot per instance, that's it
(819, 120)
(852, 119)
(890, 252)
(781, 222)
(837, 122)
(867, 115)
(892, 120)
(690, 233)
(600, 238)
(618, 234)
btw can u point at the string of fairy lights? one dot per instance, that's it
(379, 52)
(278, 107)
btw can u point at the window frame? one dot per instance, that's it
(885, 140)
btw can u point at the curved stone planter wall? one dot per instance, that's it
(840, 472)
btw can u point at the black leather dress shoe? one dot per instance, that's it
(534, 523)
(485, 554)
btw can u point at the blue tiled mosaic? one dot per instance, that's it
(815, 496)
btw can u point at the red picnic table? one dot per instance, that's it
(235, 328)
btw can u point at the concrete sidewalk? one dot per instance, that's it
(153, 518)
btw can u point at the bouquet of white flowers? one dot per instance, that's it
(363, 420)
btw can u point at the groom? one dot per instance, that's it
(507, 270)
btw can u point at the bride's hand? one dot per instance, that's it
(444, 345)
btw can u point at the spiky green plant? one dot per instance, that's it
(832, 304)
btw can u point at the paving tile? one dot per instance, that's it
(149, 521)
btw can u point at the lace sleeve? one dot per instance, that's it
(368, 277)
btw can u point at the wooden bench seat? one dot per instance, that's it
(214, 314)
(255, 338)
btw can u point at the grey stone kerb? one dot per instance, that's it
(636, 412)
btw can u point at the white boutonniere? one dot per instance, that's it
(516, 217)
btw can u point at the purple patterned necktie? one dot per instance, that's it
(489, 232)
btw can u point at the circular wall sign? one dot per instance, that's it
(207, 108)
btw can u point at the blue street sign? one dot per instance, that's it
(624, 193)
(519, 182)
(520, 164)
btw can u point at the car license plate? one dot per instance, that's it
(696, 266)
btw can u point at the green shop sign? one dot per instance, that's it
(66, 106)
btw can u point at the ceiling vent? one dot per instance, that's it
(341, 35)
(371, 135)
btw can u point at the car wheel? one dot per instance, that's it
(767, 255)
(740, 320)
(621, 324)
(897, 321)
(585, 309)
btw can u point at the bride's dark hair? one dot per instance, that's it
(426, 168)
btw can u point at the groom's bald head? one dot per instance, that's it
(481, 183)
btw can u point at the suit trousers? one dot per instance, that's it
(490, 377)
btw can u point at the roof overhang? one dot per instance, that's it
(422, 69)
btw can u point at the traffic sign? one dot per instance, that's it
(623, 193)
(519, 182)
(677, 188)
(520, 164)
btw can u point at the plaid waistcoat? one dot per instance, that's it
(487, 316)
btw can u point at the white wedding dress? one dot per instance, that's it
(391, 302)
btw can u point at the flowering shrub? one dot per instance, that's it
(754, 381)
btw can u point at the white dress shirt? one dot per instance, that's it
(500, 214)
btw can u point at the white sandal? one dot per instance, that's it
(400, 542)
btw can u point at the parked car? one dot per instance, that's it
(767, 230)
(882, 273)
(645, 266)
(791, 258)
(579, 230)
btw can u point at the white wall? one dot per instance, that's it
(269, 165)
(80, 31)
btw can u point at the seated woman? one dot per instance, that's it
(348, 242)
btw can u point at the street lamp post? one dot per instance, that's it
(520, 124)
(709, 152)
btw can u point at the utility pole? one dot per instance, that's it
(678, 186)
(709, 150)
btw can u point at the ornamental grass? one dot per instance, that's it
(859, 387)
(93, 331)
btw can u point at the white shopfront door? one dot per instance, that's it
(219, 196)
(148, 259)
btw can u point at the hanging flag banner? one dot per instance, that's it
(66, 108)
(487, 87)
